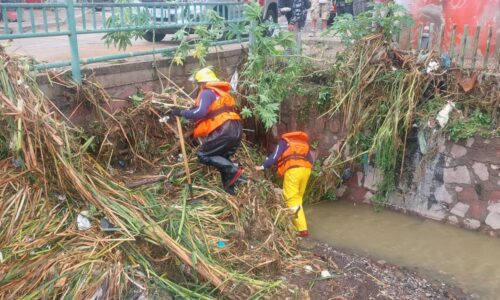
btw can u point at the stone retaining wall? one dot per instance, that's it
(460, 185)
(297, 114)
(468, 191)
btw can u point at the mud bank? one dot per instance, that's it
(358, 277)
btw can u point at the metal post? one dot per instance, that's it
(73, 42)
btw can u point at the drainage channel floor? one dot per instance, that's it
(464, 258)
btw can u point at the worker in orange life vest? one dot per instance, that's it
(294, 160)
(217, 125)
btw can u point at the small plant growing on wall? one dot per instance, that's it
(478, 123)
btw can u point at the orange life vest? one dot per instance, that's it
(296, 153)
(220, 111)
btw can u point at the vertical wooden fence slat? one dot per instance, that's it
(476, 44)
(488, 46)
(464, 45)
(419, 37)
(431, 36)
(452, 41)
(441, 38)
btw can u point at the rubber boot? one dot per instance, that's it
(229, 173)
(234, 180)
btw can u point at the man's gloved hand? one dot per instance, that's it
(176, 112)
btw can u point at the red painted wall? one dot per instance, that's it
(482, 13)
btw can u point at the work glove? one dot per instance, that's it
(176, 112)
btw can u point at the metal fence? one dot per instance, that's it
(471, 47)
(73, 19)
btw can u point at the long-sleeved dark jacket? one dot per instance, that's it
(299, 12)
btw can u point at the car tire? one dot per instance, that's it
(151, 36)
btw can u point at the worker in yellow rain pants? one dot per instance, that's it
(294, 187)
(292, 154)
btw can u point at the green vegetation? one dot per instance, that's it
(324, 98)
(131, 18)
(137, 98)
(389, 19)
(206, 36)
(477, 123)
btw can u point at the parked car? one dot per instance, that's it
(97, 2)
(181, 15)
(11, 12)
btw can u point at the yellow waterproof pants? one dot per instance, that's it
(294, 187)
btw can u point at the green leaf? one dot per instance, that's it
(252, 11)
(246, 112)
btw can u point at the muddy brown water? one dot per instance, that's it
(456, 256)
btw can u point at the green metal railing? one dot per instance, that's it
(466, 50)
(73, 19)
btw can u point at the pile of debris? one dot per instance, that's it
(384, 95)
(77, 221)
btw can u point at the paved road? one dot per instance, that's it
(50, 49)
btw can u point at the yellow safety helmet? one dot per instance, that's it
(205, 75)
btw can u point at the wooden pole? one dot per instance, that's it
(184, 155)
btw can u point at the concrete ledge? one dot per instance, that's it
(123, 79)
